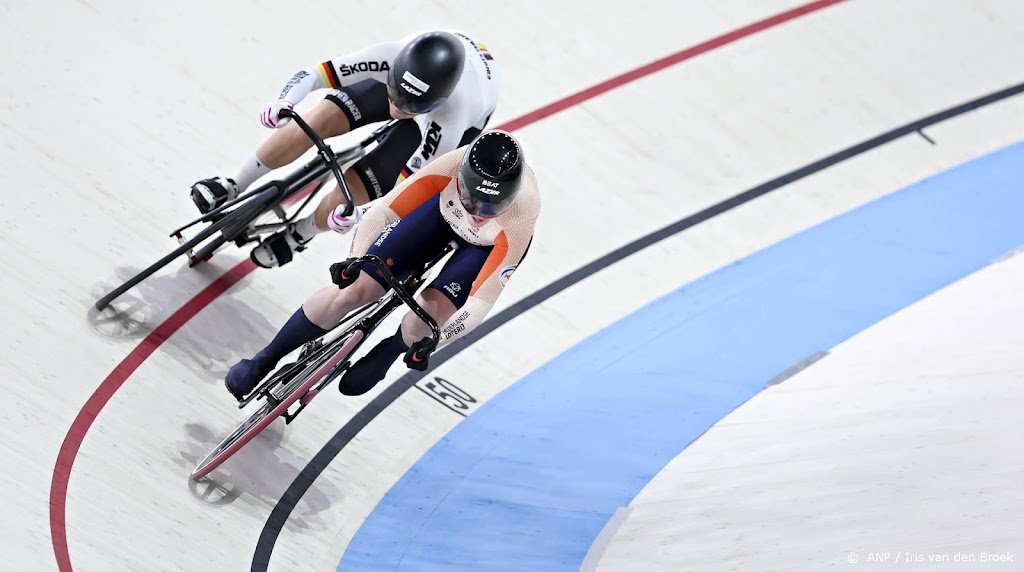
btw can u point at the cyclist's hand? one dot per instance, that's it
(418, 355)
(342, 224)
(342, 275)
(269, 117)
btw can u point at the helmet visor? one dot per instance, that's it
(476, 206)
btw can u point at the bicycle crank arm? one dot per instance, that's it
(289, 417)
(263, 390)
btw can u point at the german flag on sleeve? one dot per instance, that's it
(329, 75)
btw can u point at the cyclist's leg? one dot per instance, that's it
(284, 146)
(289, 142)
(317, 315)
(442, 299)
(404, 246)
(245, 375)
(341, 111)
(409, 244)
(374, 175)
(448, 292)
(330, 304)
(361, 104)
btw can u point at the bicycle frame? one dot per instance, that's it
(235, 219)
(369, 317)
(303, 380)
(326, 162)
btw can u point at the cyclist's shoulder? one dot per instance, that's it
(530, 191)
(522, 216)
(447, 163)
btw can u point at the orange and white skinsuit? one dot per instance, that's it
(411, 225)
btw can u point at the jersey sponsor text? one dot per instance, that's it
(349, 69)
(431, 140)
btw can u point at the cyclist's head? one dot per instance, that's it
(426, 72)
(490, 174)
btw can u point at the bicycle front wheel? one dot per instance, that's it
(268, 411)
(244, 433)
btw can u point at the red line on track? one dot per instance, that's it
(99, 398)
(80, 426)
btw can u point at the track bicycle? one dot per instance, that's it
(326, 359)
(241, 220)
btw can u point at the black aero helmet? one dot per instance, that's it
(426, 72)
(490, 174)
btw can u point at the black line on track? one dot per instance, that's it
(279, 515)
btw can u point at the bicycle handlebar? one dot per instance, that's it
(326, 153)
(403, 294)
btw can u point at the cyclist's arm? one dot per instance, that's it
(403, 199)
(372, 62)
(507, 254)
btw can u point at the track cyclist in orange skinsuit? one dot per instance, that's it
(484, 198)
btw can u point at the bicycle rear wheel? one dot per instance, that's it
(283, 397)
(238, 217)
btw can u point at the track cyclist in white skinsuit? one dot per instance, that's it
(443, 84)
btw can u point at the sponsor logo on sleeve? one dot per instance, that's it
(481, 50)
(506, 273)
(295, 79)
(349, 69)
(384, 235)
(456, 326)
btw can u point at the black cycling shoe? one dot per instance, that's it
(245, 375)
(279, 248)
(209, 194)
(371, 368)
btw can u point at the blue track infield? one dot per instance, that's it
(528, 481)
